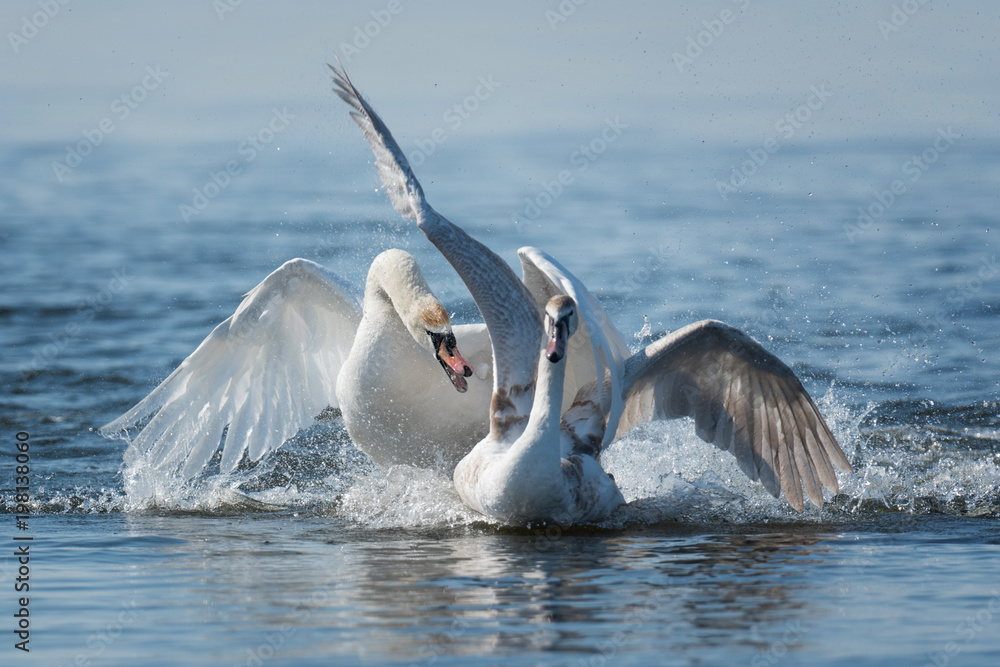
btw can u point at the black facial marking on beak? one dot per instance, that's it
(556, 348)
(446, 352)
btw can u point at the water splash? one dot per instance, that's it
(405, 497)
(643, 336)
(903, 463)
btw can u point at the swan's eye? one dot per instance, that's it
(436, 339)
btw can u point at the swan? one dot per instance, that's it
(742, 398)
(550, 472)
(546, 473)
(298, 343)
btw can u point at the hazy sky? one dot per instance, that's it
(722, 69)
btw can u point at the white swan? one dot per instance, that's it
(550, 473)
(742, 398)
(298, 343)
(544, 473)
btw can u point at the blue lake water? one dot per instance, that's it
(317, 557)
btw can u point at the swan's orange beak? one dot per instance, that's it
(456, 367)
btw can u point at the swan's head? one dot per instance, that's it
(431, 328)
(560, 324)
(445, 348)
(395, 276)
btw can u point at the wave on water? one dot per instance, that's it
(664, 470)
(911, 469)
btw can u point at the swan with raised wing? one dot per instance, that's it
(299, 342)
(742, 398)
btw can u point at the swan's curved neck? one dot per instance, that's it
(396, 290)
(540, 441)
(507, 307)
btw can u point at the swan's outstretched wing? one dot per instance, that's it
(510, 313)
(545, 278)
(400, 184)
(265, 373)
(743, 400)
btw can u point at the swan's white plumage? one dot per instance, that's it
(294, 330)
(742, 398)
(539, 474)
(511, 308)
(397, 405)
(279, 361)
(545, 277)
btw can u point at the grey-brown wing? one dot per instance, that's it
(744, 400)
(510, 313)
(400, 184)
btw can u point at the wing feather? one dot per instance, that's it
(743, 399)
(264, 373)
(511, 315)
(400, 184)
(807, 427)
(763, 455)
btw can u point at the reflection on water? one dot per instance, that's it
(475, 591)
(298, 588)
